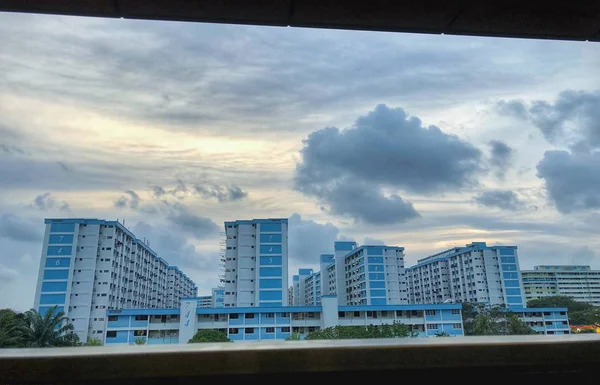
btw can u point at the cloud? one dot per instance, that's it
(131, 200)
(309, 239)
(10, 149)
(46, 201)
(7, 275)
(385, 148)
(197, 226)
(501, 199)
(500, 157)
(221, 193)
(573, 120)
(19, 229)
(373, 241)
(572, 180)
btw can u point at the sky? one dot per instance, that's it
(421, 141)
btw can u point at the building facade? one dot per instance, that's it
(475, 273)
(172, 326)
(256, 263)
(90, 265)
(578, 282)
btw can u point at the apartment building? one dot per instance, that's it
(256, 263)
(179, 285)
(91, 265)
(579, 282)
(299, 286)
(474, 273)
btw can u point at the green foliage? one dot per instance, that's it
(31, 329)
(395, 330)
(514, 326)
(293, 337)
(442, 334)
(9, 337)
(93, 342)
(209, 335)
(481, 320)
(140, 341)
(580, 313)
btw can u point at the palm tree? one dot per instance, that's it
(51, 329)
(8, 333)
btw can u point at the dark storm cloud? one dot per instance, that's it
(309, 239)
(192, 224)
(500, 157)
(19, 229)
(221, 193)
(348, 169)
(131, 199)
(572, 180)
(573, 120)
(501, 199)
(46, 202)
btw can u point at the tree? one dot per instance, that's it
(51, 329)
(9, 337)
(293, 337)
(580, 313)
(140, 341)
(486, 325)
(209, 335)
(93, 342)
(517, 327)
(442, 334)
(395, 330)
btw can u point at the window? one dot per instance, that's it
(140, 333)
(141, 318)
(432, 326)
(270, 330)
(233, 330)
(249, 330)
(357, 314)
(112, 318)
(455, 311)
(285, 315)
(285, 329)
(341, 314)
(111, 334)
(457, 326)
(430, 312)
(249, 315)
(270, 315)
(233, 316)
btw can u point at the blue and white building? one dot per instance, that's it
(256, 263)
(91, 265)
(474, 273)
(172, 326)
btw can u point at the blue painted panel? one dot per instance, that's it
(51, 299)
(58, 262)
(138, 323)
(511, 283)
(377, 293)
(281, 335)
(510, 275)
(281, 319)
(375, 251)
(377, 285)
(507, 251)
(514, 300)
(62, 228)
(378, 301)
(376, 276)
(44, 309)
(270, 249)
(270, 284)
(270, 260)
(270, 238)
(434, 317)
(54, 286)
(265, 295)
(270, 227)
(122, 321)
(344, 246)
(56, 274)
(237, 337)
(238, 321)
(59, 250)
(60, 239)
(508, 259)
(270, 304)
(120, 338)
(266, 336)
(513, 291)
(509, 267)
(267, 321)
(375, 259)
(270, 272)
(251, 336)
(375, 267)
